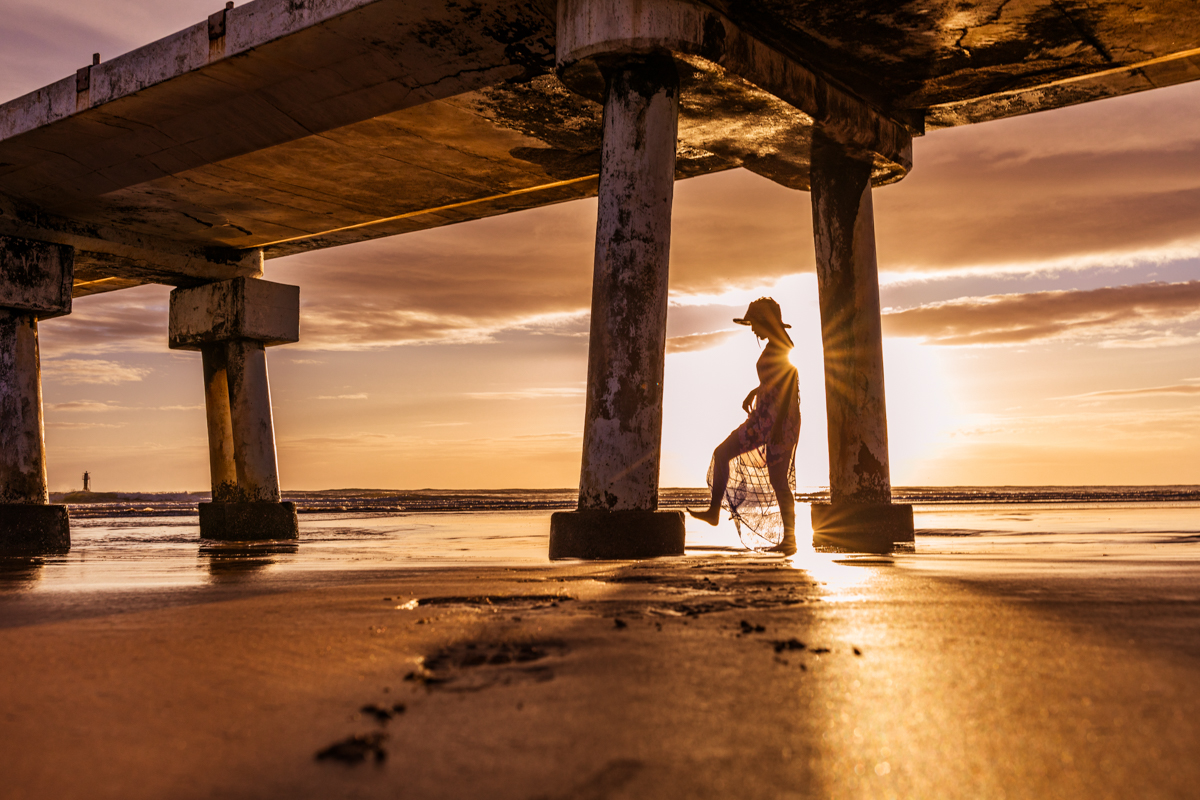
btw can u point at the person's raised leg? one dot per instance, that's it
(726, 451)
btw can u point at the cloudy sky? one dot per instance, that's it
(1040, 278)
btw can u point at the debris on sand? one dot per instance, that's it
(424, 677)
(381, 714)
(355, 749)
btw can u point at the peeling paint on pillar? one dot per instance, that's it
(847, 275)
(22, 452)
(626, 355)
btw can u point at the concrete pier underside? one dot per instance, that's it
(290, 126)
(277, 127)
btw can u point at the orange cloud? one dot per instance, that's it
(1179, 388)
(131, 319)
(78, 370)
(1020, 318)
(697, 341)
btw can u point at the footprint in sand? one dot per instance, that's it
(472, 666)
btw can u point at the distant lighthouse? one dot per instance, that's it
(87, 481)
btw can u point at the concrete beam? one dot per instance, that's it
(711, 47)
(236, 310)
(980, 61)
(35, 277)
(278, 71)
(105, 253)
(79, 156)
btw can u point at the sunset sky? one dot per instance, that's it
(1040, 278)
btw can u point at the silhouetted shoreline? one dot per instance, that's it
(390, 501)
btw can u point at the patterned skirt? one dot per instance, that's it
(749, 495)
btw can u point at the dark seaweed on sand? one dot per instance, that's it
(381, 714)
(355, 749)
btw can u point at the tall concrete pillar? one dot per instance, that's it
(618, 485)
(35, 282)
(231, 323)
(220, 423)
(860, 510)
(253, 426)
(22, 450)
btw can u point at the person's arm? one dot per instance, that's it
(748, 403)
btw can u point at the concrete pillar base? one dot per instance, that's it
(248, 522)
(34, 528)
(862, 527)
(615, 535)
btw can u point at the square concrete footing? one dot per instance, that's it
(614, 535)
(34, 528)
(248, 522)
(862, 527)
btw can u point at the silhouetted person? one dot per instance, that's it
(87, 481)
(773, 422)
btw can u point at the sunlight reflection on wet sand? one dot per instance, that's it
(1096, 539)
(962, 539)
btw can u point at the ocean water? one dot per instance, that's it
(142, 541)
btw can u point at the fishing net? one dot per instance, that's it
(751, 499)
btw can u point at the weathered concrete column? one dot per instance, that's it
(220, 423)
(618, 484)
(253, 426)
(35, 281)
(231, 323)
(22, 450)
(860, 512)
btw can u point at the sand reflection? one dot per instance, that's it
(235, 562)
(20, 573)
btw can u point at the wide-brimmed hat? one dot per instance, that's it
(764, 310)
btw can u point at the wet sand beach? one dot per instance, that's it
(1017, 653)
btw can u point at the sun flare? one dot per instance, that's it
(704, 389)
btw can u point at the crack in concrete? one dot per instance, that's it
(958, 43)
(994, 17)
(270, 223)
(1084, 31)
